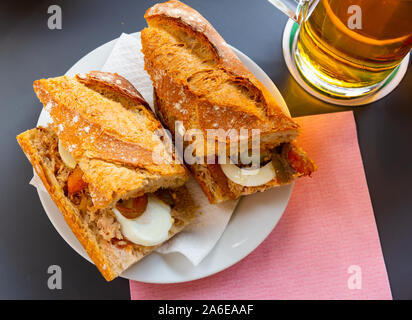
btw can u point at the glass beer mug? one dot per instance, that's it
(348, 48)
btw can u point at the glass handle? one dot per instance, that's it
(298, 10)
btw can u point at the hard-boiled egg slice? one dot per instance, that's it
(149, 229)
(66, 157)
(249, 177)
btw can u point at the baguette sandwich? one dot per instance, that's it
(200, 83)
(95, 160)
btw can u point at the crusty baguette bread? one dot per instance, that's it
(202, 81)
(199, 81)
(106, 125)
(110, 256)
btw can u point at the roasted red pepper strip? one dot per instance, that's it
(299, 163)
(75, 182)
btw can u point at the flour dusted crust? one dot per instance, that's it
(116, 84)
(106, 125)
(203, 81)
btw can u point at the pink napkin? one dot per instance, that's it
(326, 245)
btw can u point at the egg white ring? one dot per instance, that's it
(249, 177)
(151, 227)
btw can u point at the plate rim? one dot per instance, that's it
(44, 196)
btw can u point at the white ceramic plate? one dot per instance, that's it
(255, 216)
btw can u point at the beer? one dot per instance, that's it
(347, 61)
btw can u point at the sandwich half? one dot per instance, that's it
(200, 83)
(95, 160)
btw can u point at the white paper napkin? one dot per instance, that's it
(198, 239)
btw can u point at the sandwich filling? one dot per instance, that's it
(279, 165)
(144, 220)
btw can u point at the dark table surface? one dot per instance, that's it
(29, 50)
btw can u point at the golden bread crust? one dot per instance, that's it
(201, 79)
(113, 82)
(100, 119)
